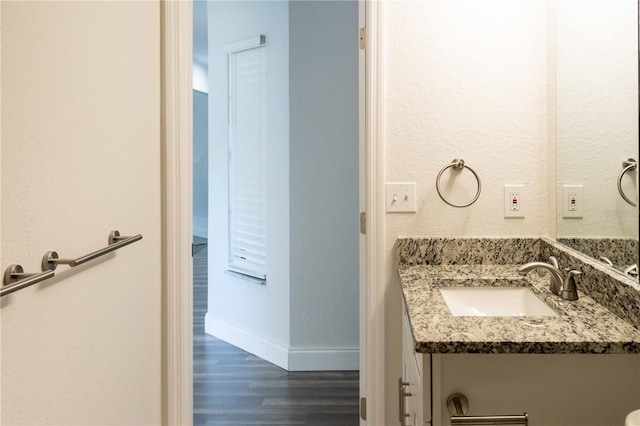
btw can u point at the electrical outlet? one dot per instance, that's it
(572, 201)
(513, 201)
(401, 197)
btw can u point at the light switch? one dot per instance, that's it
(401, 197)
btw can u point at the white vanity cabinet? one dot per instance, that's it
(414, 396)
(554, 389)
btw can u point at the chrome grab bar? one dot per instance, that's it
(458, 406)
(627, 165)
(16, 279)
(50, 259)
(459, 165)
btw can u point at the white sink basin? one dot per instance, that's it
(633, 418)
(494, 302)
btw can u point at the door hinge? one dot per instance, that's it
(363, 38)
(363, 408)
(363, 222)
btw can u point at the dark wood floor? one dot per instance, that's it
(232, 387)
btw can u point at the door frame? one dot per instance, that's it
(372, 292)
(176, 28)
(176, 33)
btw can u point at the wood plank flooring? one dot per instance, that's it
(234, 388)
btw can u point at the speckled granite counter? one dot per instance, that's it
(583, 326)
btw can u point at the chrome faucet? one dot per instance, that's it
(563, 285)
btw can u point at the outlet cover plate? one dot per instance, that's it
(572, 210)
(514, 201)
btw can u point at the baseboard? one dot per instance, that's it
(292, 359)
(332, 359)
(247, 341)
(200, 227)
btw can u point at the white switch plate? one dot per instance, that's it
(572, 201)
(401, 197)
(513, 201)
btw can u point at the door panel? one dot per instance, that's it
(80, 157)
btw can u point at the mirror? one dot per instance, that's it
(597, 129)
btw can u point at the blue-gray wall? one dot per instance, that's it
(323, 152)
(200, 164)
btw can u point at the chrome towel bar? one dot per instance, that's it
(16, 279)
(50, 259)
(458, 406)
(490, 420)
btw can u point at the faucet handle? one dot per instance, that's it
(606, 260)
(572, 272)
(554, 261)
(632, 270)
(569, 291)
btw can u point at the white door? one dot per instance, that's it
(80, 139)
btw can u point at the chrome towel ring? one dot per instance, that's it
(627, 165)
(458, 165)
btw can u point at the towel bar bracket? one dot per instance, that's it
(50, 260)
(114, 237)
(14, 273)
(458, 404)
(16, 279)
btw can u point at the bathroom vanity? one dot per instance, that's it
(579, 364)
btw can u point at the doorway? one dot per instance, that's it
(315, 331)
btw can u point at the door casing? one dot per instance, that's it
(177, 364)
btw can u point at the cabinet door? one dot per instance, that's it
(562, 390)
(412, 369)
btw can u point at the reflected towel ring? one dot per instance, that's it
(627, 165)
(458, 164)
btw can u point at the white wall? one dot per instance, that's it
(200, 75)
(463, 79)
(81, 156)
(240, 311)
(324, 180)
(597, 96)
(200, 164)
(313, 174)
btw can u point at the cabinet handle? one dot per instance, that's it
(458, 405)
(401, 396)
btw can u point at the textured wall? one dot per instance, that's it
(597, 101)
(463, 79)
(80, 157)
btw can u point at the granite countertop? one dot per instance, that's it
(581, 326)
